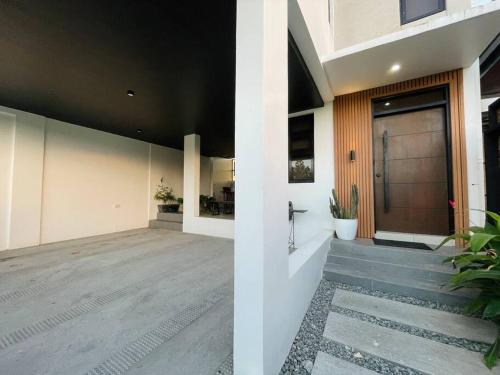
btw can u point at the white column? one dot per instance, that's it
(474, 143)
(191, 194)
(261, 227)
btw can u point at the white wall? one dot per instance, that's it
(315, 13)
(272, 288)
(7, 129)
(60, 181)
(474, 143)
(192, 222)
(168, 163)
(314, 196)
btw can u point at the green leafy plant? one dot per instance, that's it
(340, 212)
(180, 200)
(205, 201)
(479, 268)
(164, 193)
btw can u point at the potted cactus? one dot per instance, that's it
(345, 219)
(164, 193)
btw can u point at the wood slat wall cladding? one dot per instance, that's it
(353, 131)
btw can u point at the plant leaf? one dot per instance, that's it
(492, 309)
(479, 240)
(491, 356)
(476, 305)
(495, 217)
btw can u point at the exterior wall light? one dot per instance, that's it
(352, 155)
(130, 93)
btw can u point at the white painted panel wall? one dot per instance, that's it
(474, 143)
(94, 183)
(60, 181)
(7, 129)
(168, 163)
(314, 196)
(27, 176)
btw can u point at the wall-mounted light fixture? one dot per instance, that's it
(352, 155)
(130, 93)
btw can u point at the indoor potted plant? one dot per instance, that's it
(345, 219)
(164, 193)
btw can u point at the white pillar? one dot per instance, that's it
(261, 227)
(191, 194)
(474, 143)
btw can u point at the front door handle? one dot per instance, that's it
(385, 141)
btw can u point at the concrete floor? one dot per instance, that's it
(148, 301)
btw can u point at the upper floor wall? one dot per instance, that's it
(357, 21)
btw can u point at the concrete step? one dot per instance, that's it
(170, 216)
(448, 324)
(415, 352)
(404, 286)
(161, 224)
(326, 364)
(431, 272)
(388, 254)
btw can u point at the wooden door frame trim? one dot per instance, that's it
(445, 104)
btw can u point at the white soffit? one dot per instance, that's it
(447, 43)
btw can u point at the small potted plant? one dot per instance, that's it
(346, 219)
(164, 193)
(180, 201)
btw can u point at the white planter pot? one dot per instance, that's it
(346, 228)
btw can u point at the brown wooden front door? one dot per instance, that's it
(411, 178)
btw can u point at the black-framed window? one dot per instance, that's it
(301, 149)
(412, 10)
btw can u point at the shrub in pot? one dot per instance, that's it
(345, 218)
(479, 268)
(164, 193)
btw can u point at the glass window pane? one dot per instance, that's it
(415, 9)
(409, 101)
(301, 149)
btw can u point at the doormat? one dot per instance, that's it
(405, 244)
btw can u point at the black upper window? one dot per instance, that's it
(412, 10)
(301, 149)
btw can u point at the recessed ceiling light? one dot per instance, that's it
(130, 93)
(395, 68)
(139, 130)
(387, 104)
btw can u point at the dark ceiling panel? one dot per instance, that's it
(302, 91)
(75, 61)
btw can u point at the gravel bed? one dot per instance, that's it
(416, 331)
(310, 340)
(396, 297)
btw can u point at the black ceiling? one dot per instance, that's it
(75, 60)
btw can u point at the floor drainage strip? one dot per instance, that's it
(31, 291)
(459, 342)
(226, 368)
(47, 324)
(134, 352)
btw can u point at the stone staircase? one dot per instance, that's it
(167, 220)
(407, 272)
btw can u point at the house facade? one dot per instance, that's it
(387, 96)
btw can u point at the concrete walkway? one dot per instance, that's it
(417, 339)
(139, 302)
